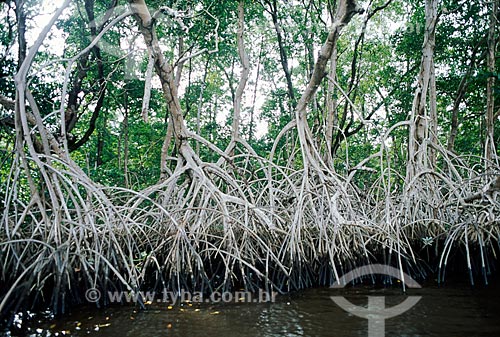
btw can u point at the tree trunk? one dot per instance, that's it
(200, 105)
(100, 148)
(345, 12)
(433, 119)
(245, 64)
(331, 106)
(422, 123)
(164, 150)
(165, 71)
(21, 31)
(273, 11)
(490, 151)
(462, 89)
(344, 131)
(254, 97)
(125, 132)
(168, 121)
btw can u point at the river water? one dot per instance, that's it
(453, 310)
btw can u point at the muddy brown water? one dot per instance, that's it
(453, 310)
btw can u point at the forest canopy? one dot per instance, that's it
(214, 144)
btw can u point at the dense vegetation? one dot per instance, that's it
(220, 144)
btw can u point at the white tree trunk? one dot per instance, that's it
(245, 64)
(424, 120)
(346, 10)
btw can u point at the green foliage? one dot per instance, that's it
(387, 57)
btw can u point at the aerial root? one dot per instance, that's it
(246, 223)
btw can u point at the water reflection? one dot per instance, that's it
(451, 311)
